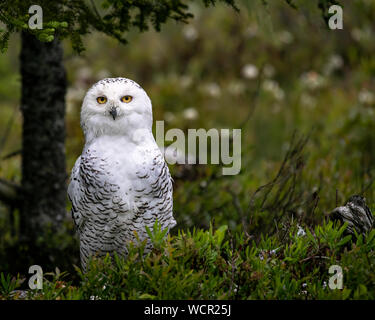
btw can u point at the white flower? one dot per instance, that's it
(273, 87)
(190, 32)
(203, 184)
(334, 62)
(312, 80)
(272, 252)
(190, 114)
(300, 232)
(250, 71)
(213, 89)
(286, 37)
(169, 116)
(366, 97)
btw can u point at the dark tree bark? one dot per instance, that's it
(43, 152)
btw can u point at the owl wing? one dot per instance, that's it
(90, 192)
(153, 193)
(75, 194)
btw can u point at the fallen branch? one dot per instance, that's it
(12, 154)
(314, 257)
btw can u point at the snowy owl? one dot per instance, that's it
(120, 184)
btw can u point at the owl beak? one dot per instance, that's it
(113, 113)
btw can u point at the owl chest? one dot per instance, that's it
(115, 170)
(108, 169)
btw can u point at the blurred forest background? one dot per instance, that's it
(303, 95)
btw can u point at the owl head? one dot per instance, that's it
(115, 106)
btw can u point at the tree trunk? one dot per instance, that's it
(43, 151)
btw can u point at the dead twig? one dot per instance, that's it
(12, 154)
(284, 193)
(314, 257)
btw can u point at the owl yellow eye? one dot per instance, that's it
(126, 99)
(101, 100)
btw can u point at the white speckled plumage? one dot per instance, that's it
(120, 184)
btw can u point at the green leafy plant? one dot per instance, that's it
(8, 284)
